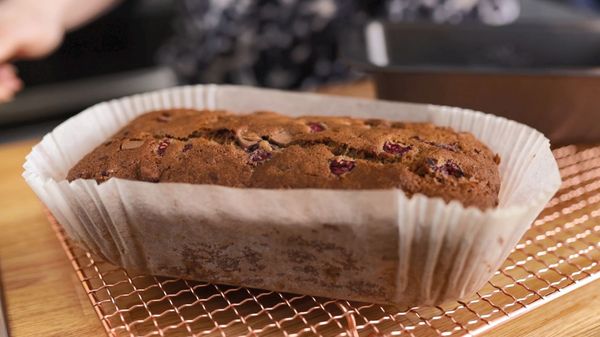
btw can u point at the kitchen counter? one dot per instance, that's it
(43, 295)
(45, 298)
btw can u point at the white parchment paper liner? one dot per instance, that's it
(376, 246)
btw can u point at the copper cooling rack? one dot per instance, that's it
(558, 254)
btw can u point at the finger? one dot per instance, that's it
(6, 94)
(8, 47)
(7, 67)
(9, 89)
(10, 84)
(14, 84)
(8, 75)
(7, 71)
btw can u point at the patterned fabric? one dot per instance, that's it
(292, 43)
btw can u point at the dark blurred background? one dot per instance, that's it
(117, 56)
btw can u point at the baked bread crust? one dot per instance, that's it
(269, 150)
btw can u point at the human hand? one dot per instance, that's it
(27, 30)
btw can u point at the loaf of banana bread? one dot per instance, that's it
(269, 150)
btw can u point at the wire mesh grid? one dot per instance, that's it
(558, 254)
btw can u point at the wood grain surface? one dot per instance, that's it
(44, 297)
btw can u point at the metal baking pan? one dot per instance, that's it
(543, 75)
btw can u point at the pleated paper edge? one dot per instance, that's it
(465, 275)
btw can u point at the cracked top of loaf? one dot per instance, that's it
(269, 150)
